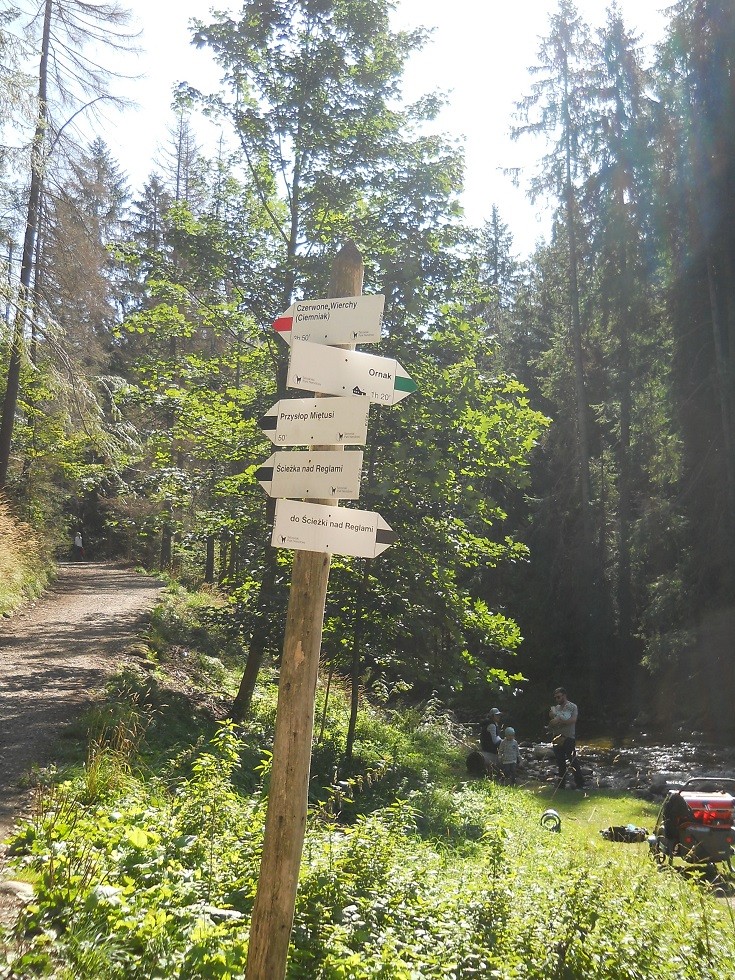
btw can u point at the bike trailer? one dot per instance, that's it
(695, 825)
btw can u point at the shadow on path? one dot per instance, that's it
(55, 656)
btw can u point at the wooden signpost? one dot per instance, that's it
(314, 531)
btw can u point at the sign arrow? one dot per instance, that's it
(345, 320)
(317, 422)
(314, 367)
(331, 473)
(335, 530)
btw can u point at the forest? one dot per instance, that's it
(562, 484)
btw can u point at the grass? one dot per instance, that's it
(23, 572)
(394, 894)
(598, 807)
(146, 859)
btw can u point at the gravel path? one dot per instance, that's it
(54, 657)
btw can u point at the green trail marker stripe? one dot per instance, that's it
(401, 383)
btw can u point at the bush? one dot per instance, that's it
(409, 872)
(23, 570)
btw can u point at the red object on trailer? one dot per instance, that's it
(711, 809)
(696, 823)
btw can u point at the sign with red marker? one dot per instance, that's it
(345, 320)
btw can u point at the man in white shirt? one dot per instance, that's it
(78, 546)
(563, 724)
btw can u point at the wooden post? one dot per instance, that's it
(285, 824)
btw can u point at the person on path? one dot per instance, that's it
(78, 547)
(563, 724)
(509, 755)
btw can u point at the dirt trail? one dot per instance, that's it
(54, 656)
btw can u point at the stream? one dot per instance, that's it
(642, 769)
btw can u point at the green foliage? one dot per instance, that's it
(450, 460)
(23, 566)
(146, 864)
(161, 880)
(149, 360)
(200, 620)
(144, 876)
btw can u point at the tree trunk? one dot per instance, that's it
(357, 621)
(166, 539)
(259, 635)
(12, 388)
(262, 619)
(209, 560)
(222, 560)
(626, 654)
(356, 662)
(724, 381)
(583, 442)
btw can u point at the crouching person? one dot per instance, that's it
(486, 761)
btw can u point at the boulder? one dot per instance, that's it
(662, 781)
(480, 763)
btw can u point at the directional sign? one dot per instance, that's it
(349, 320)
(320, 474)
(336, 530)
(315, 367)
(317, 422)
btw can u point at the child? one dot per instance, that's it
(509, 755)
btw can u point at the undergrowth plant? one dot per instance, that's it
(158, 879)
(145, 864)
(24, 571)
(113, 748)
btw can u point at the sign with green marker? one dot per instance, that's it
(332, 371)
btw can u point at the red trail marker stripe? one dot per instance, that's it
(283, 324)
